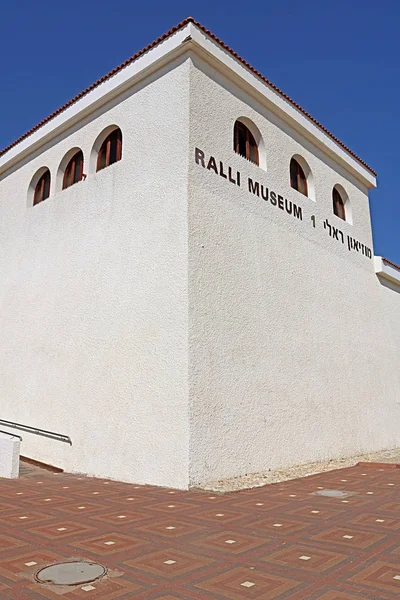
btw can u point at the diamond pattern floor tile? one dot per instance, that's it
(278, 542)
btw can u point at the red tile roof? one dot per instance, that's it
(392, 264)
(157, 41)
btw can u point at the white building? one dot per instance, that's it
(187, 314)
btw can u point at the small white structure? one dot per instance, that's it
(9, 456)
(188, 286)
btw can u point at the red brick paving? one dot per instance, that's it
(277, 542)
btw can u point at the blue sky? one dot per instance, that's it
(339, 60)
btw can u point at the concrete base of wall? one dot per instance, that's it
(9, 456)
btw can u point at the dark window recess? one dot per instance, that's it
(244, 143)
(74, 171)
(298, 180)
(110, 151)
(42, 189)
(338, 205)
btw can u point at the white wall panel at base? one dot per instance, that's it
(9, 456)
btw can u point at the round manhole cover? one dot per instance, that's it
(332, 493)
(71, 573)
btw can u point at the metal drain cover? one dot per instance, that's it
(71, 573)
(333, 493)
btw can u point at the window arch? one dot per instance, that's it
(338, 204)
(74, 170)
(244, 142)
(110, 150)
(42, 188)
(298, 179)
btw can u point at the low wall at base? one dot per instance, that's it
(9, 456)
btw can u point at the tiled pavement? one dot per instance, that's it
(275, 542)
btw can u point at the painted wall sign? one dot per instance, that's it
(352, 244)
(258, 189)
(254, 187)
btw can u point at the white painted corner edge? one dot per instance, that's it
(386, 271)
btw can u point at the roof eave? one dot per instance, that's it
(148, 61)
(281, 105)
(163, 50)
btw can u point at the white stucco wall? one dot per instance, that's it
(176, 326)
(389, 292)
(93, 295)
(288, 345)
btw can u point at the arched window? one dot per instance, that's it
(74, 170)
(110, 151)
(42, 189)
(338, 204)
(244, 142)
(298, 180)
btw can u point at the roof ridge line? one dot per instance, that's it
(391, 263)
